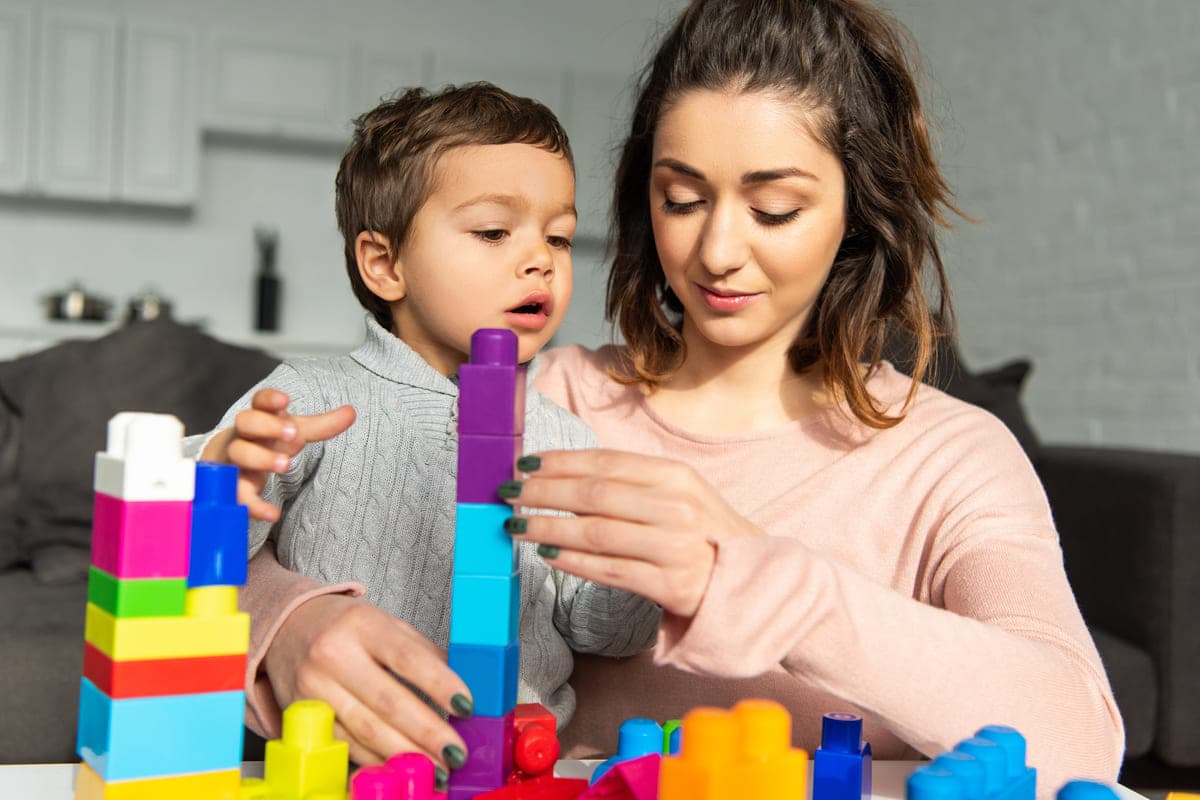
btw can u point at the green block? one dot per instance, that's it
(136, 597)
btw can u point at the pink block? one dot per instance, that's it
(141, 539)
(636, 779)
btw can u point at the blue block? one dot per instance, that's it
(220, 529)
(991, 763)
(636, 737)
(484, 609)
(934, 783)
(1020, 781)
(148, 737)
(490, 672)
(842, 764)
(1086, 790)
(481, 545)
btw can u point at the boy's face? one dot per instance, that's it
(490, 248)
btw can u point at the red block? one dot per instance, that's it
(547, 787)
(163, 676)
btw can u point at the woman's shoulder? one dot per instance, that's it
(569, 374)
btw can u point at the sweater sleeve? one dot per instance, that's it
(993, 634)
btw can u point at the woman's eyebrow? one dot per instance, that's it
(749, 178)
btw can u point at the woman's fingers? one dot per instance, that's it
(632, 468)
(602, 495)
(598, 535)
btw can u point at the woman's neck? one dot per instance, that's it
(722, 390)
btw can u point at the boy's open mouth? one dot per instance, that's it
(533, 312)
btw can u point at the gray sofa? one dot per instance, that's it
(1129, 522)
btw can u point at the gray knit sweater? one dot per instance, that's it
(376, 505)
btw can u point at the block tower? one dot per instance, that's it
(161, 703)
(486, 590)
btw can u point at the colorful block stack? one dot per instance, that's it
(485, 603)
(161, 703)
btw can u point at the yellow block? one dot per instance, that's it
(1182, 796)
(307, 761)
(223, 785)
(144, 638)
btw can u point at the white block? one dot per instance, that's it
(143, 459)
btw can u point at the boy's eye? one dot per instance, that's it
(491, 235)
(767, 218)
(671, 207)
(560, 242)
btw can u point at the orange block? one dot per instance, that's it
(163, 676)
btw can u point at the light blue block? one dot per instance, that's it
(484, 609)
(147, 737)
(490, 672)
(481, 545)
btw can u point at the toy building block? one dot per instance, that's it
(220, 785)
(143, 460)
(141, 539)
(743, 753)
(485, 462)
(481, 545)
(842, 764)
(1182, 796)
(218, 548)
(485, 609)
(136, 597)
(634, 779)
(989, 764)
(1090, 790)
(490, 672)
(535, 742)
(1020, 782)
(406, 776)
(148, 737)
(934, 783)
(489, 742)
(672, 730)
(307, 760)
(636, 737)
(492, 373)
(987, 759)
(123, 679)
(544, 787)
(212, 627)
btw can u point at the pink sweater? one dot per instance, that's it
(913, 575)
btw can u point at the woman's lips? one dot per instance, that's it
(726, 301)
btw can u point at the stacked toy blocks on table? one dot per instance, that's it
(161, 700)
(842, 764)
(486, 587)
(745, 753)
(307, 763)
(988, 766)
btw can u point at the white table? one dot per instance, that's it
(56, 781)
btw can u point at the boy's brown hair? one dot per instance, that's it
(387, 173)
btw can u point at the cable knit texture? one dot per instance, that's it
(374, 507)
(913, 575)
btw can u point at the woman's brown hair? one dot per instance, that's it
(387, 172)
(847, 61)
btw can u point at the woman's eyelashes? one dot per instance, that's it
(767, 218)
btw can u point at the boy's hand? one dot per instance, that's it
(263, 440)
(347, 652)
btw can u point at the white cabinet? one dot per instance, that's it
(16, 76)
(288, 89)
(77, 105)
(160, 142)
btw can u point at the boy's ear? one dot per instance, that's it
(378, 266)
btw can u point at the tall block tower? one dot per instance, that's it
(486, 593)
(161, 702)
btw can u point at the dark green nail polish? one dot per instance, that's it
(547, 551)
(528, 463)
(441, 779)
(516, 524)
(509, 489)
(454, 756)
(462, 706)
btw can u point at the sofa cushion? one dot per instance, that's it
(10, 445)
(1135, 687)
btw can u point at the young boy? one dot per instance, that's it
(457, 212)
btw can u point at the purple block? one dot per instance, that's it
(485, 462)
(489, 743)
(495, 346)
(491, 400)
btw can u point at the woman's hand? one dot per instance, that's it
(349, 653)
(647, 525)
(263, 440)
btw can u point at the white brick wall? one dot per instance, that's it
(1071, 130)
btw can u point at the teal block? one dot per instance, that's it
(481, 545)
(148, 737)
(484, 609)
(490, 672)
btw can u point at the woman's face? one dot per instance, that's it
(748, 211)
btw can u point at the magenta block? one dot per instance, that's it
(141, 539)
(485, 462)
(491, 400)
(489, 743)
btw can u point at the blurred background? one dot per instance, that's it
(144, 142)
